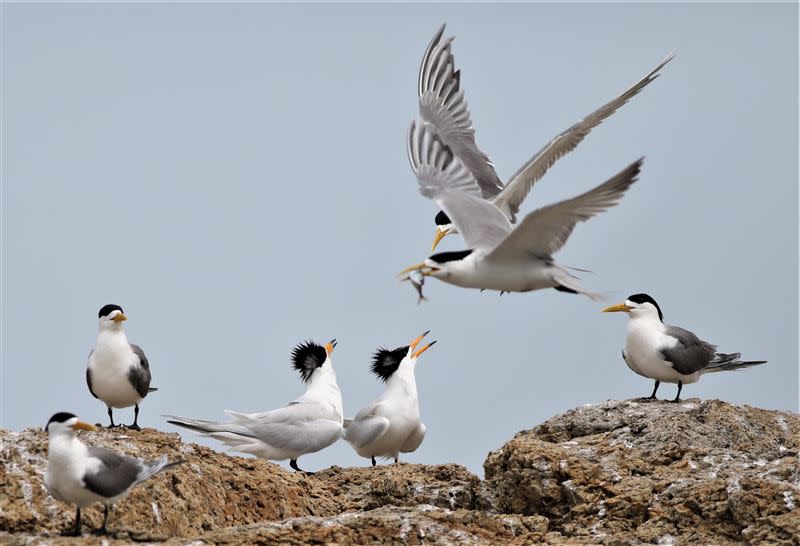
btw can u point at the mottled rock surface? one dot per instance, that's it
(615, 473)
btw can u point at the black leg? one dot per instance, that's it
(653, 396)
(678, 396)
(135, 425)
(293, 464)
(396, 459)
(76, 529)
(103, 530)
(374, 462)
(111, 417)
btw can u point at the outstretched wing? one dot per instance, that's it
(442, 104)
(444, 178)
(545, 230)
(691, 354)
(523, 180)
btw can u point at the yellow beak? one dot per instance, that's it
(330, 346)
(411, 268)
(437, 238)
(80, 425)
(425, 348)
(417, 339)
(119, 318)
(617, 308)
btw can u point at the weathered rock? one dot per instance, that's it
(633, 471)
(615, 473)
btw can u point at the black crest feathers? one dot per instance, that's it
(108, 309)
(442, 219)
(60, 417)
(307, 357)
(385, 362)
(645, 298)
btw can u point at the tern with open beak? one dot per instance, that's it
(118, 372)
(499, 257)
(82, 475)
(391, 424)
(306, 425)
(668, 353)
(443, 106)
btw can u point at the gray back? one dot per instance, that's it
(691, 354)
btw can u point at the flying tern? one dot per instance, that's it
(499, 257)
(668, 353)
(306, 425)
(391, 424)
(118, 372)
(442, 105)
(82, 475)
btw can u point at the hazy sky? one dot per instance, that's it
(235, 176)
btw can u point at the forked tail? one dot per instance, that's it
(724, 362)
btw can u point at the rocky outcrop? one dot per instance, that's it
(616, 473)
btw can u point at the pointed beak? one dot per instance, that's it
(617, 308)
(417, 339)
(330, 346)
(425, 348)
(440, 234)
(422, 267)
(80, 425)
(119, 318)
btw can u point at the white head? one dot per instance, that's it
(111, 317)
(385, 362)
(312, 359)
(65, 424)
(638, 306)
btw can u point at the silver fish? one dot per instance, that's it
(418, 280)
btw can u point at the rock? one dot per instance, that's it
(653, 472)
(616, 473)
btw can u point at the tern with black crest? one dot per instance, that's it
(83, 475)
(499, 256)
(118, 372)
(443, 106)
(391, 424)
(668, 353)
(306, 425)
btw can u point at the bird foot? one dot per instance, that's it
(70, 532)
(648, 399)
(134, 427)
(100, 531)
(676, 401)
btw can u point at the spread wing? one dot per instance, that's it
(691, 354)
(443, 178)
(523, 180)
(442, 104)
(139, 376)
(545, 230)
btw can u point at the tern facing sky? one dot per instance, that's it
(306, 425)
(83, 475)
(668, 353)
(443, 106)
(499, 256)
(392, 423)
(118, 372)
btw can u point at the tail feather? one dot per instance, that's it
(156, 466)
(725, 362)
(211, 428)
(152, 389)
(567, 282)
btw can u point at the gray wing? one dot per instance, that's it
(414, 439)
(523, 180)
(546, 230)
(444, 178)
(691, 354)
(296, 427)
(139, 376)
(89, 381)
(366, 427)
(442, 104)
(116, 473)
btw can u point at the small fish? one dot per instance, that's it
(418, 280)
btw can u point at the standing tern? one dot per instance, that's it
(442, 105)
(391, 424)
(118, 372)
(82, 475)
(668, 353)
(499, 257)
(306, 425)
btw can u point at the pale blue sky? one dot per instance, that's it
(235, 177)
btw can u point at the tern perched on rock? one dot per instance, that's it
(499, 256)
(118, 372)
(443, 106)
(668, 353)
(82, 475)
(391, 424)
(306, 425)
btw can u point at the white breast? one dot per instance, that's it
(110, 364)
(67, 462)
(643, 342)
